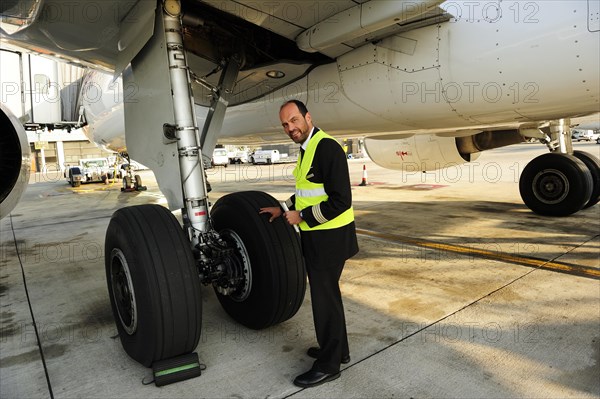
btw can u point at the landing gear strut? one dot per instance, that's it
(563, 182)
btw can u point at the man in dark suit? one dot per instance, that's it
(322, 208)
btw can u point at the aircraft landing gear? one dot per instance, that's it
(154, 267)
(555, 185)
(563, 182)
(593, 164)
(131, 182)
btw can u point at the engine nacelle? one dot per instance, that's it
(14, 161)
(414, 153)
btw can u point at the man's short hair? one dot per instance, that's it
(301, 107)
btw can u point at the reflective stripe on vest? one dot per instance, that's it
(309, 194)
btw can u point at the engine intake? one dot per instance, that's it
(14, 161)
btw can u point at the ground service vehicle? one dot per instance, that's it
(90, 170)
(585, 135)
(238, 157)
(266, 157)
(220, 157)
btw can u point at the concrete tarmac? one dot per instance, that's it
(458, 291)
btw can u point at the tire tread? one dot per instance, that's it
(282, 248)
(173, 304)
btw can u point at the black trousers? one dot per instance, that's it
(328, 315)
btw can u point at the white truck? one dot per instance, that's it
(238, 157)
(266, 157)
(90, 170)
(220, 157)
(585, 135)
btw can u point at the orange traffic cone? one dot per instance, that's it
(364, 177)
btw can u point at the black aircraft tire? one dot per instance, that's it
(153, 284)
(276, 262)
(555, 184)
(127, 184)
(593, 164)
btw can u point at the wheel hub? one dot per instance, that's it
(239, 267)
(123, 292)
(551, 186)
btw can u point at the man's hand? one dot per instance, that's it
(293, 217)
(275, 212)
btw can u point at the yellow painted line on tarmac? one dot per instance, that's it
(91, 189)
(560, 267)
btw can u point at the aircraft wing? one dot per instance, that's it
(280, 42)
(334, 28)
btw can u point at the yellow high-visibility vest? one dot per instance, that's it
(309, 194)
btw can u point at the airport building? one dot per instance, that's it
(39, 90)
(57, 149)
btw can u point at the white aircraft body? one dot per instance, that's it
(430, 84)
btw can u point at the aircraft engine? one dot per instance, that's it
(422, 153)
(14, 161)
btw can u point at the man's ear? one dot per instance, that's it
(308, 118)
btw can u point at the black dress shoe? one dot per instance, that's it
(314, 352)
(312, 378)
